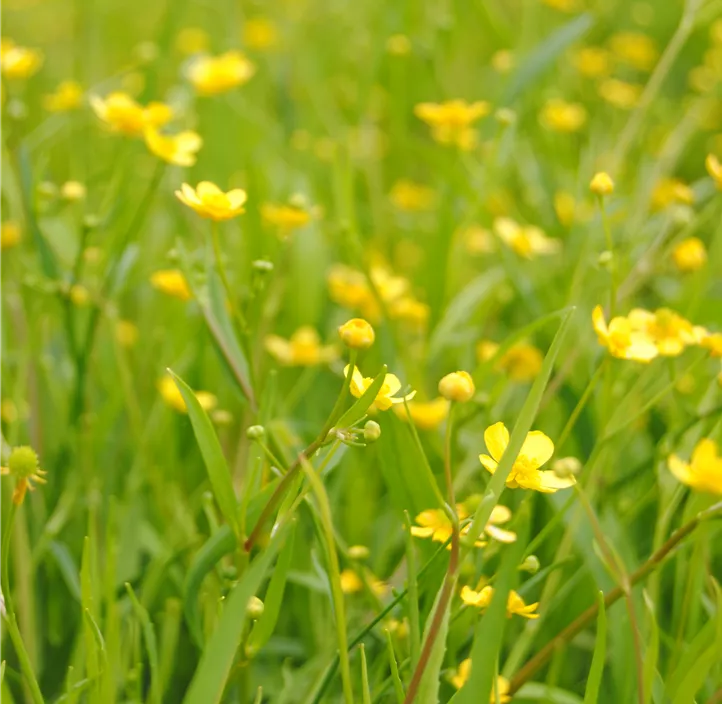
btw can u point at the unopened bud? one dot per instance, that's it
(602, 184)
(254, 609)
(255, 432)
(263, 266)
(530, 564)
(457, 386)
(358, 552)
(566, 467)
(372, 431)
(357, 334)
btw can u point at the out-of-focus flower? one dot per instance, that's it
(525, 472)
(427, 415)
(126, 333)
(477, 240)
(67, 96)
(669, 331)
(24, 465)
(303, 349)
(357, 333)
(408, 310)
(713, 342)
(522, 361)
(620, 94)
(285, 218)
(451, 122)
(124, 115)
(514, 604)
(192, 40)
(463, 673)
(10, 234)
(79, 295)
(211, 75)
(350, 582)
(209, 201)
(398, 45)
(457, 386)
(593, 61)
(172, 396)
(668, 191)
(527, 241)
(565, 206)
(634, 49)
(435, 524)
(18, 62)
(172, 282)
(561, 116)
(179, 149)
(714, 169)
(503, 61)
(690, 254)
(704, 471)
(260, 33)
(622, 339)
(386, 397)
(412, 197)
(73, 191)
(563, 5)
(601, 184)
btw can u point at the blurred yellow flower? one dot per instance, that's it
(690, 254)
(172, 396)
(260, 33)
(10, 234)
(126, 333)
(435, 524)
(477, 240)
(350, 582)
(622, 339)
(671, 190)
(525, 473)
(398, 45)
(593, 61)
(634, 49)
(412, 197)
(24, 465)
(73, 191)
(386, 396)
(527, 241)
(560, 116)
(514, 604)
(303, 349)
(211, 75)
(179, 149)
(565, 206)
(563, 5)
(704, 471)
(79, 295)
(522, 361)
(714, 169)
(713, 342)
(18, 61)
(503, 61)
(669, 331)
(357, 333)
(464, 672)
(192, 40)
(408, 310)
(67, 96)
(286, 218)
(210, 202)
(457, 386)
(349, 288)
(620, 94)
(173, 283)
(601, 184)
(123, 114)
(451, 122)
(426, 415)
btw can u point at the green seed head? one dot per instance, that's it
(23, 462)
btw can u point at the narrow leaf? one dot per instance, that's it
(594, 678)
(365, 689)
(151, 644)
(651, 654)
(398, 686)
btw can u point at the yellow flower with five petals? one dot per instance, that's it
(451, 122)
(124, 115)
(179, 149)
(514, 604)
(622, 339)
(386, 396)
(209, 201)
(211, 75)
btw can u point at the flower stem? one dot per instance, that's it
(220, 267)
(613, 262)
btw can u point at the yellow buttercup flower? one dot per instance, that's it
(704, 471)
(172, 282)
(514, 604)
(179, 149)
(210, 202)
(172, 396)
(601, 184)
(527, 241)
(73, 191)
(713, 342)
(668, 191)
(477, 240)
(464, 672)
(18, 61)
(435, 524)
(522, 361)
(303, 349)
(349, 288)
(561, 116)
(565, 206)
(622, 339)
(357, 333)
(386, 396)
(260, 33)
(124, 115)
(634, 49)
(620, 94)
(67, 96)
(211, 75)
(457, 386)
(593, 62)
(690, 254)
(525, 472)
(10, 234)
(451, 122)
(286, 218)
(350, 582)
(669, 331)
(24, 465)
(412, 197)
(714, 169)
(426, 415)
(408, 310)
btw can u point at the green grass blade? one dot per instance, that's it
(151, 645)
(358, 410)
(87, 601)
(594, 679)
(365, 688)
(651, 654)
(398, 685)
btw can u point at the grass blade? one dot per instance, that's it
(151, 645)
(398, 686)
(594, 679)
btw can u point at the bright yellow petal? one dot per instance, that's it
(496, 438)
(500, 514)
(490, 465)
(537, 448)
(503, 536)
(236, 198)
(279, 348)
(705, 453)
(600, 324)
(392, 384)
(550, 482)
(680, 469)
(207, 188)
(421, 532)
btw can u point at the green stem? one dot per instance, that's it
(581, 404)
(221, 268)
(613, 261)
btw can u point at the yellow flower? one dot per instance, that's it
(464, 672)
(563, 5)
(285, 217)
(477, 240)
(601, 184)
(398, 45)
(514, 604)
(10, 234)
(172, 396)
(561, 116)
(671, 190)
(620, 94)
(303, 349)
(593, 61)
(457, 386)
(565, 206)
(172, 282)
(412, 197)
(486, 349)
(525, 473)
(210, 202)
(714, 169)
(426, 415)
(73, 190)
(126, 333)
(350, 582)
(123, 114)
(669, 331)
(260, 33)
(18, 61)
(67, 96)
(704, 472)
(451, 122)
(179, 149)
(622, 339)
(192, 40)
(527, 241)
(634, 49)
(24, 465)
(713, 342)
(503, 61)
(690, 254)
(211, 75)
(409, 310)
(349, 288)
(386, 396)
(357, 334)
(435, 524)
(79, 295)
(522, 361)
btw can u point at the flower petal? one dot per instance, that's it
(392, 384)
(537, 448)
(680, 469)
(503, 536)
(490, 465)
(500, 514)
(496, 438)
(549, 482)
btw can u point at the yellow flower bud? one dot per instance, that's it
(602, 184)
(255, 608)
(457, 386)
(357, 334)
(358, 552)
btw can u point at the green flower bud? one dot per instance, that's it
(254, 608)
(255, 432)
(372, 431)
(23, 462)
(530, 564)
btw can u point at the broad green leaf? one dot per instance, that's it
(594, 679)
(151, 645)
(211, 675)
(358, 410)
(218, 472)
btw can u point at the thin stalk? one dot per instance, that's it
(221, 269)
(581, 403)
(613, 262)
